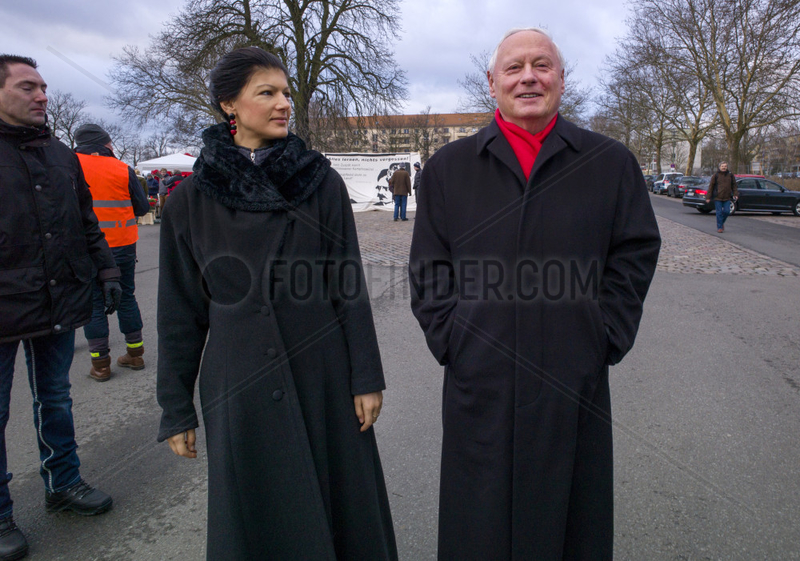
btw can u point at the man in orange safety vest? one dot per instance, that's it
(118, 198)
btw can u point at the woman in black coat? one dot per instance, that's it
(261, 292)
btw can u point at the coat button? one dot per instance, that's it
(277, 395)
(52, 282)
(57, 327)
(265, 310)
(48, 235)
(272, 353)
(38, 187)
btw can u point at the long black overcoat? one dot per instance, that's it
(275, 303)
(526, 292)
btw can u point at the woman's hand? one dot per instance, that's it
(368, 407)
(183, 444)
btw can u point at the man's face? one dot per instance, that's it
(527, 80)
(723, 167)
(22, 98)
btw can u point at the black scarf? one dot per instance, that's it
(289, 174)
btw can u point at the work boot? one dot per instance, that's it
(13, 544)
(81, 498)
(132, 358)
(101, 369)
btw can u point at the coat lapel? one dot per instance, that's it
(491, 138)
(564, 134)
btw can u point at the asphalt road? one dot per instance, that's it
(706, 406)
(752, 230)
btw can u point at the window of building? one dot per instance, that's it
(374, 137)
(462, 129)
(405, 131)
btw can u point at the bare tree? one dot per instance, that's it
(476, 87)
(574, 101)
(745, 53)
(336, 52)
(65, 114)
(424, 127)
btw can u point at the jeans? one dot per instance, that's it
(49, 359)
(128, 315)
(723, 209)
(400, 204)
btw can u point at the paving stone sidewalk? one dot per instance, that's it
(684, 250)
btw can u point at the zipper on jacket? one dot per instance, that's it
(253, 155)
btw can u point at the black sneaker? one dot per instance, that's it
(13, 544)
(81, 498)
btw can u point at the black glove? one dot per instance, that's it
(112, 294)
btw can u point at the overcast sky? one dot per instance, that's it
(74, 42)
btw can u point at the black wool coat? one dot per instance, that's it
(526, 292)
(261, 291)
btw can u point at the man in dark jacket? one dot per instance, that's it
(723, 191)
(417, 177)
(533, 249)
(117, 199)
(152, 184)
(400, 184)
(50, 243)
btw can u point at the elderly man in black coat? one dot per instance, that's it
(533, 250)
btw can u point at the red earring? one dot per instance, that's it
(232, 120)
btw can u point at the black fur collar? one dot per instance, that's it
(288, 176)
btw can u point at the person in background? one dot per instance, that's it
(117, 199)
(141, 179)
(50, 243)
(163, 190)
(400, 184)
(173, 181)
(152, 184)
(723, 191)
(417, 177)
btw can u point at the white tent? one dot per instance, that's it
(180, 162)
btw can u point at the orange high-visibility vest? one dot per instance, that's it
(108, 178)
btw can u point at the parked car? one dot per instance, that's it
(648, 179)
(756, 194)
(678, 187)
(663, 181)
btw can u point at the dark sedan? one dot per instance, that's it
(678, 188)
(756, 194)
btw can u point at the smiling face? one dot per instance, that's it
(527, 80)
(262, 108)
(22, 98)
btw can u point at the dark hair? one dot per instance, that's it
(233, 70)
(5, 60)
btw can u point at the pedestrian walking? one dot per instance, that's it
(533, 249)
(262, 293)
(117, 199)
(723, 191)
